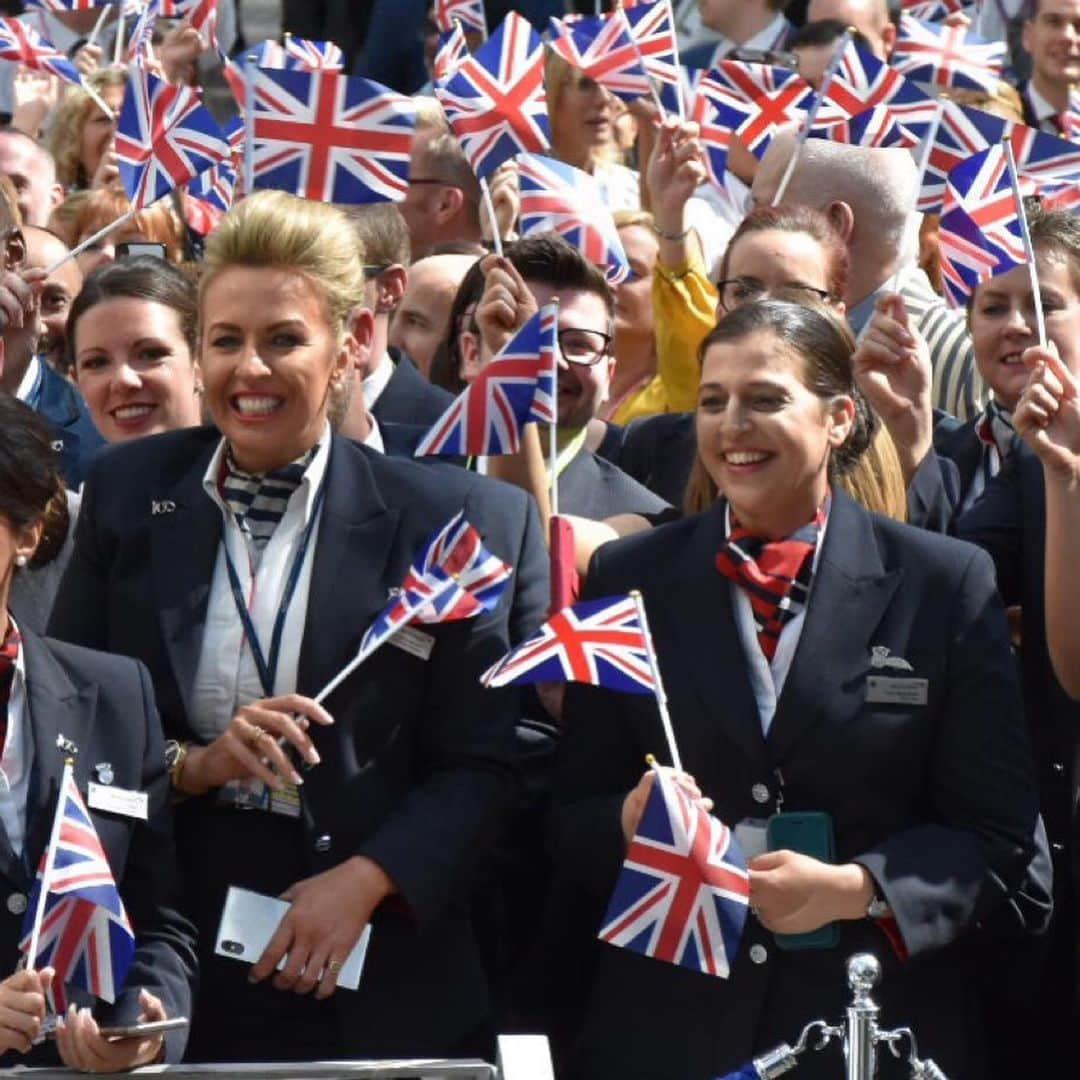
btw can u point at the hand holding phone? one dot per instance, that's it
(144, 1030)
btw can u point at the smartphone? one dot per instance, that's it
(809, 833)
(140, 1031)
(128, 249)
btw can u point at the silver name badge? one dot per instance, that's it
(886, 690)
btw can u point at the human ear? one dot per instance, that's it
(842, 217)
(472, 362)
(841, 412)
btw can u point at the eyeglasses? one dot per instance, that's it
(584, 347)
(430, 180)
(743, 290)
(373, 270)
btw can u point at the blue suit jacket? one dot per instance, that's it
(420, 762)
(105, 705)
(937, 800)
(77, 440)
(408, 397)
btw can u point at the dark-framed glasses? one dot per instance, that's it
(744, 290)
(585, 347)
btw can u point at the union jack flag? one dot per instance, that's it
(450, 52)
(980, 230)
(495, 101)
(932, 10)
(863, 82)
(331, 137)
(683, 892)
(65, 5)
(600, 642)
(653, 28)
(560, 197)
(604, 49)
(85, 933)
(164, 137)
(22, 43)
(143, 31)
(202, 14)
(303, 54)
(517, 387)
(454, 577)
(872, 127)
(718, 112)
(233, 74)
(946, 56)
(779, 96)
(212, 192)
(467, 13)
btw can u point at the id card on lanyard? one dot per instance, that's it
(254, 794)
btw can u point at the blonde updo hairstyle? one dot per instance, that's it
(277, 230)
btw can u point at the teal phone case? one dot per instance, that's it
(809, 832)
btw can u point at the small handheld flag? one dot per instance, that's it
(453, 577)
(684, 891)
(495, 101)
(75, 921)
(517, 387)
(469, 14)
(22, 44)
(449, 53)
(603, 49)
(778, 95)
(946, 56)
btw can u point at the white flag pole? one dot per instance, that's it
(249, 123)
(811, 116)
(553, 428)
(92, 39)
(50, 860)
(496, 238)
(97, 99)
(1029, 250)
(118, 44)
(81, 247)
(661, 694)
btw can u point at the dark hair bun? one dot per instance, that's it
(862, 433)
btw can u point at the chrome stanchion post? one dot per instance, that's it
(860, 1042)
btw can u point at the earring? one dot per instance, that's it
(20, 559)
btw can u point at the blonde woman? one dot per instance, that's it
(243, 563)
(81, 136)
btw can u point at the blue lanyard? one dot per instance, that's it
(267, 667)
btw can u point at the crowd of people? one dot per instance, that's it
(849, 508)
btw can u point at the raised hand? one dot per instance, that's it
(1047, 416)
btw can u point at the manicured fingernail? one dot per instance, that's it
(313, 756)
(296, 778)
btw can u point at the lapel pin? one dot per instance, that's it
(161, 506)
(880, 658)
(57, 446)
(104, 773)
(393, 592)
(65, 744)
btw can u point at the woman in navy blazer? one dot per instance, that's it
(893, 709)
(104, 705)
(400, 780)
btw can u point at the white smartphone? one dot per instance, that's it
(248, 922)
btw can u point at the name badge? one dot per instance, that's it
(887, 690)
(750, 833)
(415, 642)
(117, 800)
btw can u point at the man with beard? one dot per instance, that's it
(45, 249)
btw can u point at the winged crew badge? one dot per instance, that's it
(880, 658)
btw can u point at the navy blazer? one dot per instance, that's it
(591, 487)
(105, 706)
(408, 398)
(937, 800)
(76, 439)
(419, 764)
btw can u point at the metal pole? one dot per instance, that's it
(860, 1053)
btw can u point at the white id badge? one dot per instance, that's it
(115, 800)
(750, 834)
(886, 690)
(248, 922)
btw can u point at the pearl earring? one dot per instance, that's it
(20, 560)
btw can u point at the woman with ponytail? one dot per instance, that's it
(838, 674)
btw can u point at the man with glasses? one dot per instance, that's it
(442, 205)
(535, 271)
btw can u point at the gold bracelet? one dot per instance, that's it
(177, 770)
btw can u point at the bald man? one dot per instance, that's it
(45, 249)
(870, 195)
(871, 18)
(32, 171)
(420, 322)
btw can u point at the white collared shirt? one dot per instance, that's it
(29, 379)
(767, 677)
(227, 677)
(375, 383)
(17, 759)
(1045, 113)
(374, 440)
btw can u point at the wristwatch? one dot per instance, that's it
(175, 756)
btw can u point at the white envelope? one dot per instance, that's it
(248, 922)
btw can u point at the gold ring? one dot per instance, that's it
(334, 966)
(253, 736)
